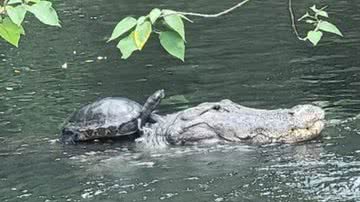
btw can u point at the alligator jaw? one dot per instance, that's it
(304, 134)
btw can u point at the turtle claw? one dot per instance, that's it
(139, 125)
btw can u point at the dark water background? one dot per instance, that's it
(249, 56)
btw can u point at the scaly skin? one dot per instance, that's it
(226, 121)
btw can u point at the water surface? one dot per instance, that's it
(249, 56)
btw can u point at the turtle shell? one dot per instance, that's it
(108, 117)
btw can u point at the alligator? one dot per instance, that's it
(226, 122)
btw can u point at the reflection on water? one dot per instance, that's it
(328, 177)
(249, 58)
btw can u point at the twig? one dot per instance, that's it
(293, 23)
(213, 15)
(3, 8)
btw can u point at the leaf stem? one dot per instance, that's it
(293, 23)
(3, 9)
(210, 15)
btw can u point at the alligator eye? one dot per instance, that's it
(292, 113)
(216, 107)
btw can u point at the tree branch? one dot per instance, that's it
(293, 23)
(235, 7)
(216, 14)
(2, 9)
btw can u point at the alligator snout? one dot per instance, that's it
(307, 125)
(306, 116)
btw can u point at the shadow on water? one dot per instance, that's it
(250, 57)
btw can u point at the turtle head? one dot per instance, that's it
(151, 103)
(158, 95)
(69, 136)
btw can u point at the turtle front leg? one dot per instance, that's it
(144, 130)
(139, 124)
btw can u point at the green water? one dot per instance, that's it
(249, 56)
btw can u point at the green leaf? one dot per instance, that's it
(33, 1)
(45, 13)
(319, 12)
(142, 34)
(173, 44)
(16, 14)
(127, 46)
(14, 2)
(175, 22)
(154, 15)
(122, 27)
(10, 31)
(328, 27)
(310, 21)
(141, 20)
(322, 13)
(314, 37)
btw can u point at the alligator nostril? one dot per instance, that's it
(292, 113)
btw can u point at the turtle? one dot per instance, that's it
(110, 117)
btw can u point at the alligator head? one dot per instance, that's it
(226, 121)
